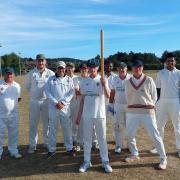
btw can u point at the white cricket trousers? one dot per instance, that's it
(100, 126)
(149, 121)
(169, 109)
(119, 127)
(38, 109)
(57, 117)
(12, 125)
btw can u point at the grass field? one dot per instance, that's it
(61, 166)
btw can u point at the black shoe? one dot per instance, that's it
(71, 153)
(50, 154)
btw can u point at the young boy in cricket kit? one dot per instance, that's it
(94, 89)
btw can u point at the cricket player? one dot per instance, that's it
(94, 89)
(168, 88)
(70, 68)
(60, 90)
(10, 92)
(141, 97)
(118, 104)
(38, 105)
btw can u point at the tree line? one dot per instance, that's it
(150, 60)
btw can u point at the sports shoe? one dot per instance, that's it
(154, 151)
(95, 146)
(50, 154)
(71, 153)
(107, 168)
(117, 150)
(31, 150)
(77, 148)
(16, 156)
(132, 158)
(162, 164)
(84, 167)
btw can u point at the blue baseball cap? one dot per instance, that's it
(93, 63)
(121, 64)
(137, 63)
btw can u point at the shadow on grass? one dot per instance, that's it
(61, 162)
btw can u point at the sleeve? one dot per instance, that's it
(19, 90)
(49, 93)
(112, 87)
(68, 96)
(153, 90)
(28, 81)
(158, 81)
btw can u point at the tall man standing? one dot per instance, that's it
(9, 115)
(168, 88)
(38, 105)
(94, 89)
(141, 97)
(118, 100)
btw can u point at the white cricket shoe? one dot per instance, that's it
(132, 158)
(107, 168)
(162, 164)
(154, 151)
(84, 167)
(117, 150)
(16, 156)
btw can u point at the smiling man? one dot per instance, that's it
(141, 97)
(9, 115)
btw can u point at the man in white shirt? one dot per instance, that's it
(141, 97)
(38, 105)
(60, 90)
(10, 92)
(168, 105)
(94, 89)
(118, 101)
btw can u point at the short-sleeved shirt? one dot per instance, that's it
(9, 94)
(169, 83)
(35, 83)
(94, 102)
(119, 86)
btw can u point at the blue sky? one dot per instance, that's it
(71, 28)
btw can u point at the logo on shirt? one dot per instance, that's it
(97, 83)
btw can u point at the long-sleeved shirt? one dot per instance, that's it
(59, 89)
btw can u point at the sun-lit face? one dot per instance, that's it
(84, 72)
(9, 77)
(41, 64)
(170, 63)
(60, 71)
(137, 71)
(93, 71)
(70, 70)
(122, 71)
